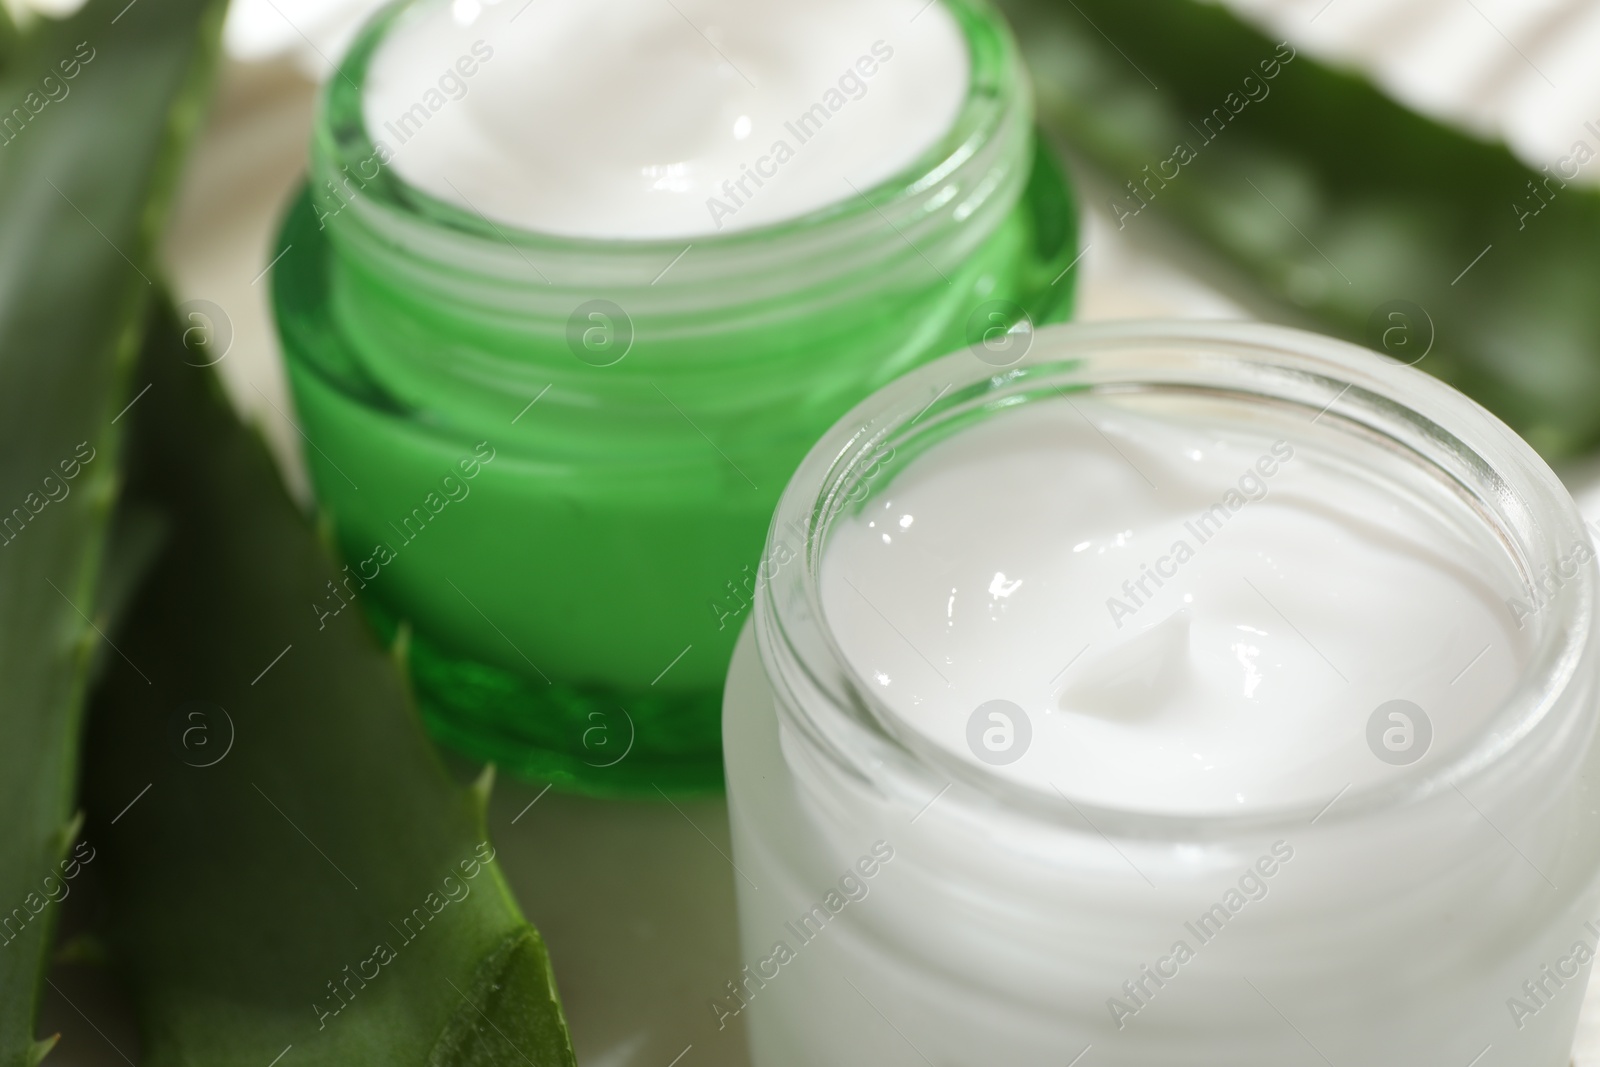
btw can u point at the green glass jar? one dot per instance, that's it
(555, 459)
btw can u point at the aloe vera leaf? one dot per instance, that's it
(10, 39)
(301, 873)
(1334, 200)
(87, 164)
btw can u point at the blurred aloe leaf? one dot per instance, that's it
(290, 871)
(9, 38)
(1336, 201)
(94, 112)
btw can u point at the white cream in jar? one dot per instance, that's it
(642, 119)
(1319, 796)
(1194, 616)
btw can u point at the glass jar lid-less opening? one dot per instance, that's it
(970, 173)
(1435, 442)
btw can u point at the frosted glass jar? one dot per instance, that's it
(901, 904)
(554, 457)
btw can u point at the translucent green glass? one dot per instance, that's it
(555, 460)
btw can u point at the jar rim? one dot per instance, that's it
(835, 714)
(996, 87)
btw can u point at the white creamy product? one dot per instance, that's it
(1191, 616)
(643, 119)
(1319, 795)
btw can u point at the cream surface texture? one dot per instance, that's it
(1191, 616)
(647, 120)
